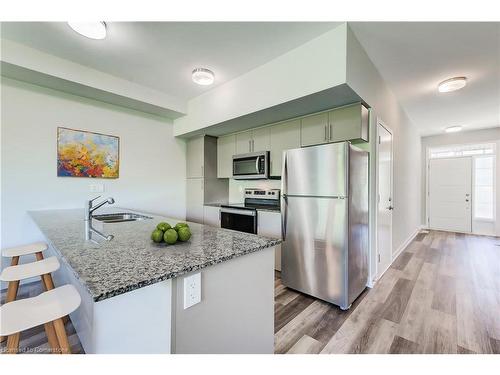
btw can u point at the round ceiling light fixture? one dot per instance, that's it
(92, 30)
(203, 76)
(452, 84)
(453, 129)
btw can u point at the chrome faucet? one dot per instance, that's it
(90, 208)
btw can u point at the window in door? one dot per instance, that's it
(484, 188)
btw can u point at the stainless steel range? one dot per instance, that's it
(243, 216)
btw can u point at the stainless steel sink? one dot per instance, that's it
(120, 217)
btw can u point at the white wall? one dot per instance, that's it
(460, 138)
(366, 81)
(315, 66)
(152, 161)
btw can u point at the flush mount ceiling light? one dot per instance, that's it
(203, 76)
(453, 129)
(452, 84)
(92, 30)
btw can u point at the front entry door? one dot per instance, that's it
(450, 194)
(385, 200)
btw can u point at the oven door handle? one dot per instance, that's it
(238, 212)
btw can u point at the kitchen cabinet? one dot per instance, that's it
(226, 148)
(284, 136)
(244, 142)
(252, 141)
(211, 216)
(202, 184)
(349, 123)
(194, 157)
(260, 139)
(314, 129)
(194, 199)
(269, 225)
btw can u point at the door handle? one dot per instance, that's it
(390, 208)
(284, 192)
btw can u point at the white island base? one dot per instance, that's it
(235, 315)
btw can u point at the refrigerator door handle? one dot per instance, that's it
(284, 176)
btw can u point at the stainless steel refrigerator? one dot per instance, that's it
(324, 209)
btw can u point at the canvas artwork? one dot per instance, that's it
(86, 154)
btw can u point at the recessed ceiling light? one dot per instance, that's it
(452, 84)
(203, 76)
(453, 129)
(92, 30)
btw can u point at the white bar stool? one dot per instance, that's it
(37, 249)
(42, 268)
(47, 308)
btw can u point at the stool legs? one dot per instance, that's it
(13, 343)
(61, 336)
(48, 284)
(12, 290)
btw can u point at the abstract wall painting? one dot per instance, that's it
(86, 154)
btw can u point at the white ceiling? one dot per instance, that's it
(162, 55)
(414, 57)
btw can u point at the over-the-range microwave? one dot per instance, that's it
(252, 166)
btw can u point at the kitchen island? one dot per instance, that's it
(133, 293)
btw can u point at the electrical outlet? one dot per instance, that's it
(96, 188)
(192, 290)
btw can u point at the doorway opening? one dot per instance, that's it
(461, 188)
(385, 200)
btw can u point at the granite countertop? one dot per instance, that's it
(131, 260)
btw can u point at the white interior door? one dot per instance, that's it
(450, 186)
(385, 200)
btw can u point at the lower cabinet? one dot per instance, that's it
(211, 216)
(269, 225)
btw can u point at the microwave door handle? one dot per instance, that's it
(257, 159)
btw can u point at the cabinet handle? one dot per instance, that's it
(249, 145)
(253, 145)
(325, 133)
(329, 132)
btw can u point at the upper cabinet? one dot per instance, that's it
(194, 157)
(226, 148)
(349, 124)
(284, 136)
(244, 142)
(252, 141)
(314, 129)
(260, 139)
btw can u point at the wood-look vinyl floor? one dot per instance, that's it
(441, 295)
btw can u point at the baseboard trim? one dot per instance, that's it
(405, 244)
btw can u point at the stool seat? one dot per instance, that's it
(27, 270)
(23, 314)
(24, 249)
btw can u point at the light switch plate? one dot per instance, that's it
(96, 188)
(192, 290)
